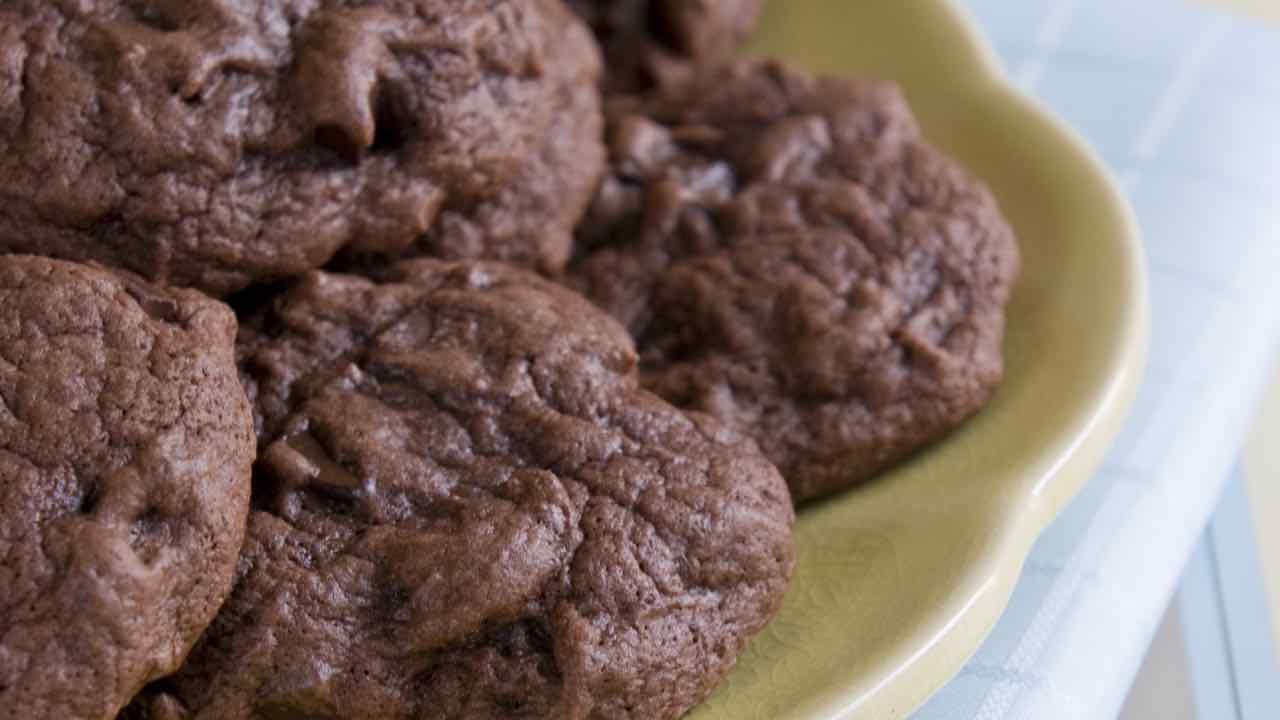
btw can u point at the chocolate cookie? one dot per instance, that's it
(645, 39)
(125, 451)
(467, 508)
(216, 143)
(793, 259)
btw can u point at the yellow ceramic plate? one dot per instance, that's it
(898, 583)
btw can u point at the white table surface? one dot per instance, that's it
(1214, 656)
(1183, 102)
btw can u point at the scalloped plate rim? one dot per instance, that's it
(924, 667)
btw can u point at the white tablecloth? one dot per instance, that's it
(1183, 102)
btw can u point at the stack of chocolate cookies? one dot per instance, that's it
(446, 358)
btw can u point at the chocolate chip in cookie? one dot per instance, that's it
(645, 41)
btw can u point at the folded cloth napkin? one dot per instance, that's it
(1183, 102)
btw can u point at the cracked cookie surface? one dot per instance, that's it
(125, 451)
(467, 508)
(217, 143)
(645, 40)
(793, 259)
